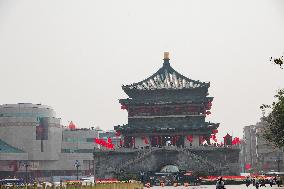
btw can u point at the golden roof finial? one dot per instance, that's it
(166, 55)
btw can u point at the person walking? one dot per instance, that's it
(271, 182)
(248, 181)
(220, 184)
(256, 184)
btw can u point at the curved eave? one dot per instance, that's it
(161, 72)
(209, 127)
(130, 92)
(130, 101)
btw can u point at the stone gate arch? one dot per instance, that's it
(154, 160)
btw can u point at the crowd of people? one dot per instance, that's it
(261, 182)
(257, 182)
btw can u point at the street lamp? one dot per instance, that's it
(77, 165)
(26, 164)
(94, 165)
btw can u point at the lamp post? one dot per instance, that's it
(278, 160)
(94, 163)
(26, 165)
(77, 165)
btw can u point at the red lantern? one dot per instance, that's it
(190, 138)
(72, 126)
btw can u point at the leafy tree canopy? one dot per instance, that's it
(277, 61)
(274, 132)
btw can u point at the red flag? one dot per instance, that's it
(247, 166)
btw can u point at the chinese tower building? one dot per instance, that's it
(167, 109)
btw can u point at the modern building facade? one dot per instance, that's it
(32, 134)
(257, 155)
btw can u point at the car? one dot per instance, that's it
(87, 181)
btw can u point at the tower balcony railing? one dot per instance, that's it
(154, 148)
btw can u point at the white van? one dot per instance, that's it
(87, 181)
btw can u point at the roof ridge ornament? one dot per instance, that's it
(166, 58)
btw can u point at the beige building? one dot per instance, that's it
(31, 134)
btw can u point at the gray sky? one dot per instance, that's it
(75, 55)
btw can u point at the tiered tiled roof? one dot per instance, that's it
(166, 78)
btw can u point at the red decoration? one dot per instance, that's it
(208, 112)
(118, 133)
(201, 139)
(109, 140)
(133, 141)
(248, 166)
(145, 140)
(215, 131)
(123, 107)
(108, 144)
(190, 138)
(213, 137)
(236, 141)
(72, 126)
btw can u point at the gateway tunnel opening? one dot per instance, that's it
(168, 175)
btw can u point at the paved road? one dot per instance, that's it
(213, 187)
